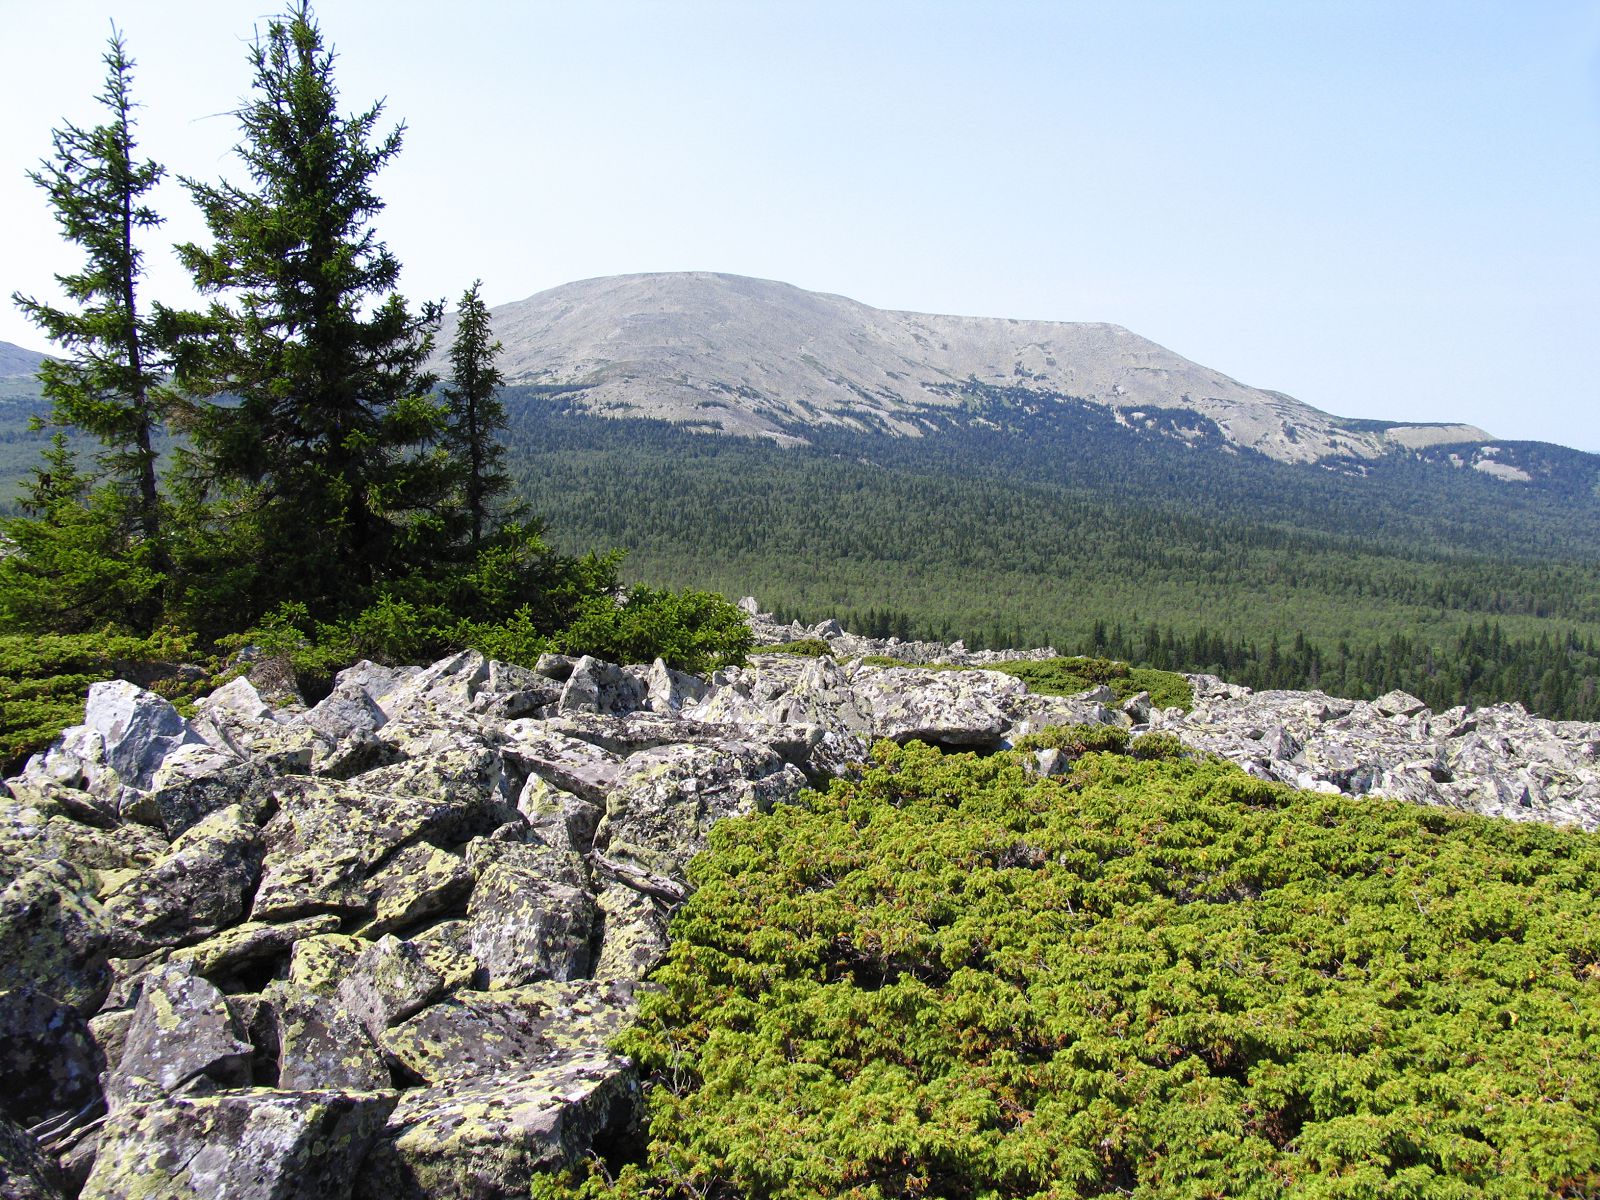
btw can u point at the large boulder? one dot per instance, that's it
(526, 921)
(483, 1138)
(667, 799)
(202, 885)
(251, 1144)
(183, 1036)
(54, 935)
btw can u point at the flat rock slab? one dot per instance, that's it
(252, 1144)
(485, 1033)
(484, 1139)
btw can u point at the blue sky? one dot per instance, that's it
(1386, 209)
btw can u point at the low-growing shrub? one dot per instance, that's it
(1155, 978)
(1077, 739)
(804, 647)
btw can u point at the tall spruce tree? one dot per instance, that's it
(108, 382)
(476, 415)
(326, 488)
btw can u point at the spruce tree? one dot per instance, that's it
(326, 489)
(66, 565)
(108, 383)
(476, 415)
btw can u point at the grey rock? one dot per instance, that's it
(26, 1171)
(254, 1144)
(475, 1034)
(600, 687)
(50, 1063)
(55, 936)
(523, 925)
(200, 886)
(659, 814)
(254, 945)
(182, 1036)
(482, 1139)
(575, 766)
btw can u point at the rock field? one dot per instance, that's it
(378, 946)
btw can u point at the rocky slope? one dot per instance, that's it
(15, 361)
(751, 356)
(378, 946)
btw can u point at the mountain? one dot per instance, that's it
(17, 362)
(755, 357)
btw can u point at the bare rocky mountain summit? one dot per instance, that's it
(18, 362)
(756, 357)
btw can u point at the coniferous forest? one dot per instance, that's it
(1063, 528)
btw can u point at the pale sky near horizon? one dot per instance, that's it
(1385, 208)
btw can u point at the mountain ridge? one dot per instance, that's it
(763, 358)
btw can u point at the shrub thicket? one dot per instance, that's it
(1159, 979)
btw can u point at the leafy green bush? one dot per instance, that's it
(1150, 978)
(1077, 739)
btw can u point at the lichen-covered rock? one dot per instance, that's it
(492, 1033)
(420, 883)
(525, 925)
(668, 692)
(183, 1035)
(559, 818)
(634, 941)
(49, 1061)
(200, 886)
(26, 1171)
(568, 763)
(667, 799)
(483, 1139)
(327, 837)
(251, 945)
(601, 687)
(387, 983)
(47, 821)
(322, 1043)
(183, 802)
(253, 1144)
(957, 708)
(54, 935)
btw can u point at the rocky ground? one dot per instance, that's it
(378, 946)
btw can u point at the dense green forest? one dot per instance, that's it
(1152, 977)
(1061, 527)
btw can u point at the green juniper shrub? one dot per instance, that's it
(803, 647)
(1149, 746)
(1077, 739)
(1155, 978)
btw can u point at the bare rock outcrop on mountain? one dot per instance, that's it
(380, 946)
(756, 357)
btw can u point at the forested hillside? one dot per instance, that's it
(1016, 526)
